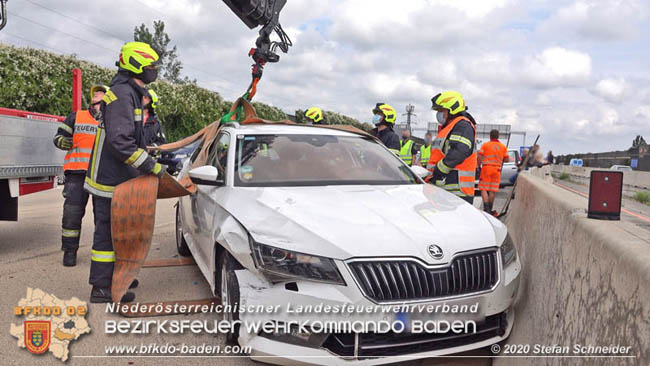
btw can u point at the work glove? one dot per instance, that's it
(64, 143)
(438, 177)
(159, 170)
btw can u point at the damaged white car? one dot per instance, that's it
(324, 226)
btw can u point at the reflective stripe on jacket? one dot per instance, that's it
(83, 138)
(466, 170)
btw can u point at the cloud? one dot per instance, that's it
(558, 66)
(606, 20)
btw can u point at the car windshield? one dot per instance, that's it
(316, 160)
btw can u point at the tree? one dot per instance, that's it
(159, 41)
(639, 141)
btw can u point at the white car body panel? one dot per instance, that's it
(342, 222)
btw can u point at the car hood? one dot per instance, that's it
(343, 222)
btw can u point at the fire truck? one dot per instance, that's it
(29, 161)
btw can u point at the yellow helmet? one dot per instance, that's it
(315, 114)
(134, 56)
(450, 100)
(98, 88)
(390, 115)
(154, 98)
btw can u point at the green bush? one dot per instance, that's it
(564, 176)
(643, 197)
(41, 81)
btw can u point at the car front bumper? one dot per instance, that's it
(494, 321)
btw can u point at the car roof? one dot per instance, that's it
(283, 129)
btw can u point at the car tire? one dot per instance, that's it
(228, 290)
(181, 244)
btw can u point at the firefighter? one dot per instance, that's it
(425, 150)
(407, 151)
(118, 155)
(76, 135)
(153, 134)
(491, 157)
(384, 120)
(315, 116)
(453, 153)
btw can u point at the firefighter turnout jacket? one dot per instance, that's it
(81, 127)
(153, 134)
(119, 152)
(389, 138)
(453, 152)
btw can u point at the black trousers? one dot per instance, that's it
(102, 260)
(74, 209)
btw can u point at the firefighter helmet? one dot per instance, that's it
(389, 113)
(135, 56)
(315, 114)
(450, 100)
(154, 98)
(98, 88)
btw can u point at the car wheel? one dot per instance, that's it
(229, 292)
(181, 244)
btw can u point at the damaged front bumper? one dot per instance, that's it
(324, 305)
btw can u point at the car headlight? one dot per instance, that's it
(281, 264)
(508, 251)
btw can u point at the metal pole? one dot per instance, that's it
(76, 90)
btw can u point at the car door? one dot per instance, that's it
(205, 203)
(509, 168)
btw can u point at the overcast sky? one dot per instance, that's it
(575, 71)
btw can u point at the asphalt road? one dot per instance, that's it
(30, 256)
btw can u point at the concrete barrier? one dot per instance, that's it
(632, 181)
(584, 282)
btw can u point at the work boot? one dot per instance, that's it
(69, 258)
(487, 207)
(103, 294)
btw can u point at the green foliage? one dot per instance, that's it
(333, 118)
(41, 81)
(643, 197)
(564, 176)
(159, 41)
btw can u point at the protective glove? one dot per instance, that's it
(159, 170)
(438, 176)
(64, 143)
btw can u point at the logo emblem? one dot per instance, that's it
(435, 251)
(37, 335)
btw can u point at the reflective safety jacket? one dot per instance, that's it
(493, 153)
(119, 153)
(82, 127)
(425, 154)
(453, 152)
(406, 151)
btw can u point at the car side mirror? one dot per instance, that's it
(420, 171)
(206, 175)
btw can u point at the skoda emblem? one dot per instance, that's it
(435, 251)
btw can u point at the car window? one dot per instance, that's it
(316, 160)
(218, 155)
(513, 157)
(196, 152)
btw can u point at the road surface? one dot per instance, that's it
(30, 256)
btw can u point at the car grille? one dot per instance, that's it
(400, 280)
(397, 344)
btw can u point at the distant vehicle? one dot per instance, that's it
(621, 168)
(576, 162)
(509, 168)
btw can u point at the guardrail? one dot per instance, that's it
(583, 282)
(633, 180)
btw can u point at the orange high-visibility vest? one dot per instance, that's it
(83, 138)
(466, 169)
(493, 153)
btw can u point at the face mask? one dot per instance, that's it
(440, 116)
(376, 119)
(404, 137)
(428, 141)
(148, 75)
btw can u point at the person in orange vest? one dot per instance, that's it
(453, 153)
(76, 135)
(491, 157)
